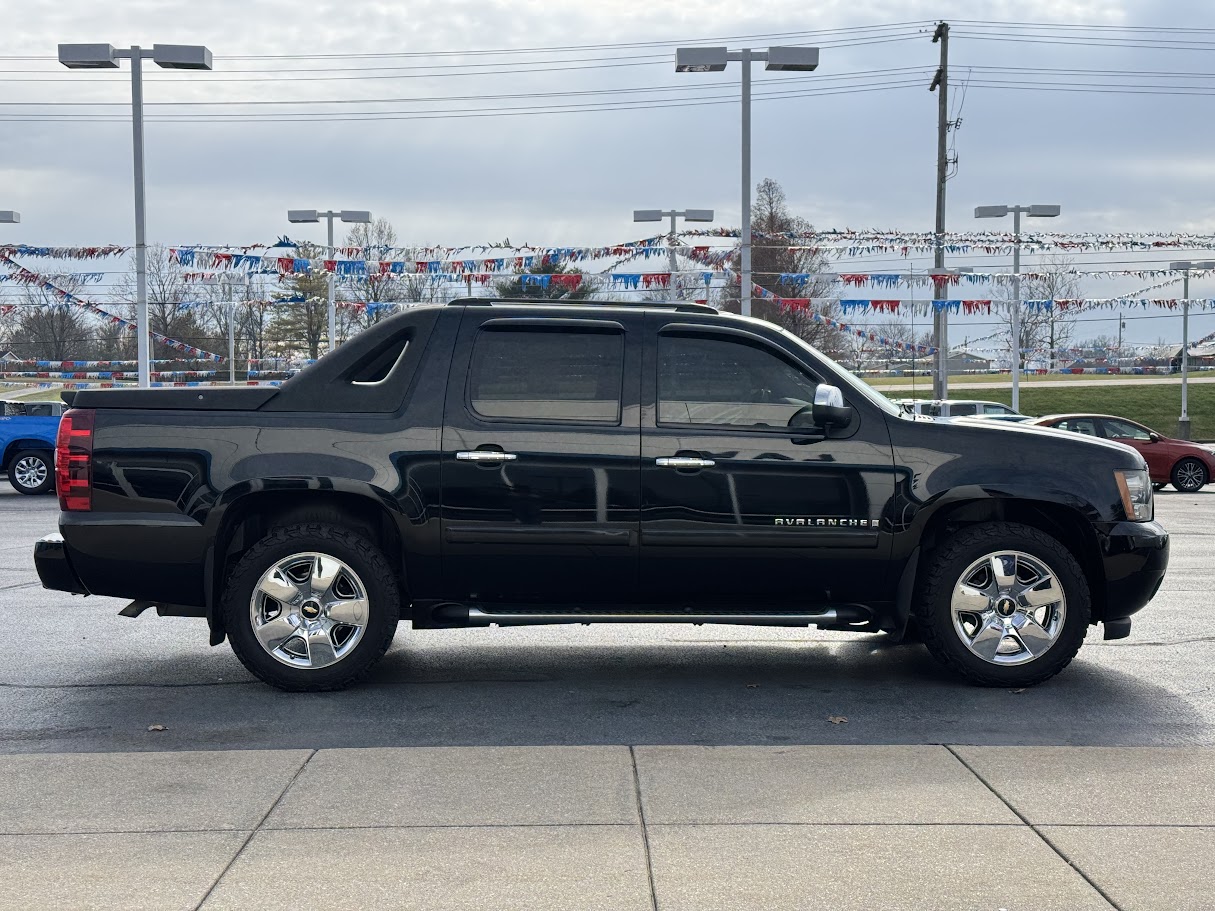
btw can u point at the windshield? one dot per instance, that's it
(853, 382)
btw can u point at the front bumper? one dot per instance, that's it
(54, 568)
(1135, 556)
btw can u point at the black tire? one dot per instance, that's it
(1189, 475)
(945, 567)
(1159, 485)
(32, 471)
(372, 572)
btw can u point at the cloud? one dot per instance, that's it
(1112, 161)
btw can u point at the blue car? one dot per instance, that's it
(27, 444)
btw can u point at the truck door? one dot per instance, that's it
(736, 506)
(541, 459)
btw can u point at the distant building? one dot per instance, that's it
(965, 362)
(1201, 356)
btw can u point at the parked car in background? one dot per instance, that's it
(1187, 466)
(27, 444)
(957, 408)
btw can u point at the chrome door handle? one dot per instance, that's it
(683, 462)
(486, 455)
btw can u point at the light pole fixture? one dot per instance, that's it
(9, 217)
(169, 56)
(1185, 267)
(714, 60)
(659, 215)
(1001, 212)
(308, 216)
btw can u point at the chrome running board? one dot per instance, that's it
(482, 616)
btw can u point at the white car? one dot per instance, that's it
(956, 408)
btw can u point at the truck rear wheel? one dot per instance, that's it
(1003, 604)
(31, 472)
(311, 607)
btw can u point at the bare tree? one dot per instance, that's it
(48, 329)
(773, 256)
(378, 241)
(1052, 328)
(170, 299)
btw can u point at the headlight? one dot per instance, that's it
(1136, 490)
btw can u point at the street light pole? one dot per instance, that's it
(356, 216)
(143, 348)
(659, 215)
(744, 251)
(1037, 211)
(1183, 422)
(714, 60)
(329, 290)
(169, 56)
(1016, 313)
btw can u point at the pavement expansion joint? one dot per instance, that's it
(245, 844)
(645, 835)
(1021, 816)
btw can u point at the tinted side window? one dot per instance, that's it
(538, 374)
(960, 410)
(989, 408)
(705, 380)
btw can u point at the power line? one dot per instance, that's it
(452, 114)
(557, 48)
(684, 87)
(663, 60)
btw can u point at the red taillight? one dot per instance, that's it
(74, 460)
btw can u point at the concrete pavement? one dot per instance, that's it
(612, 827)
(88, 680)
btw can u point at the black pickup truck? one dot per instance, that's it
(511, 463)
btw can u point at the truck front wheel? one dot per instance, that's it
(311, 607)
(1003, 604)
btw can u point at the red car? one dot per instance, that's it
(1187, 466)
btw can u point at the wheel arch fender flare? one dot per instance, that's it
(22, 444)
(242, 514)
(1069, 521)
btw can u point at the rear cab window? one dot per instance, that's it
(547, 375)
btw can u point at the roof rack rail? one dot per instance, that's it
(678, 306)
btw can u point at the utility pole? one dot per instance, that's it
(940, 319)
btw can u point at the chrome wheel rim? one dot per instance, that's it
(309, 611)
(1189, 475)
(30, 472)
(1008, 608)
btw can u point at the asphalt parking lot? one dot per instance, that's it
(78, 678)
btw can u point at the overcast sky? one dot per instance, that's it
(1113, 160)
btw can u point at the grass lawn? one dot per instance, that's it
(39, 395)
(1001, 377)
(1155, 406)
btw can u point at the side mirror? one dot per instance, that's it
(1154, 437)
(829, 407)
